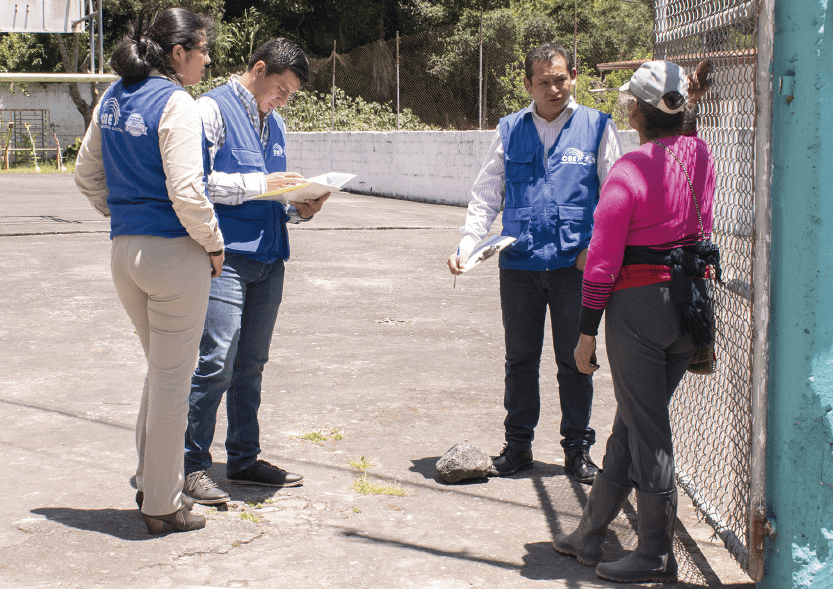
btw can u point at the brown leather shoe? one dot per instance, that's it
(181, 520)
(200, 487)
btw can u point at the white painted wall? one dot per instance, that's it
(430, 166)
(68, 122)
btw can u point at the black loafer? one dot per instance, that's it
(511, 460)
(579, 465)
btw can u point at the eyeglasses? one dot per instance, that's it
(202, 49)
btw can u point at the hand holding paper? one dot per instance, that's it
(303, 190)
(458, 264)
(279, 180)
(308, 208)
(486, 249)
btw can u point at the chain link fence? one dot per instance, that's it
(712, 416)
(469, 75)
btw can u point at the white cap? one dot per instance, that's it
(655, 79)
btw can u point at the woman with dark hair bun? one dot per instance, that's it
(647, 266)
(141, 164)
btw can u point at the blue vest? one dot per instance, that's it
(550, 198)
(129, 120)
(255, 229)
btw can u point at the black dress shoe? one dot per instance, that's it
(580, 466)
(511, 460)
(266, 474)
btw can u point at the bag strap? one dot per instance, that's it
(690, 185)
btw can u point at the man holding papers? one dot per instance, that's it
(247, 153)
(545, 166)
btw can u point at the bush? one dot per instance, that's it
(71, 152)
(312, 111)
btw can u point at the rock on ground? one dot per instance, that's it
(463, 461)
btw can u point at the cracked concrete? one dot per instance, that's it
(371, 342)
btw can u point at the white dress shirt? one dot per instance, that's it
(489, 187)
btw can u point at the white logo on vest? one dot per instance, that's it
(277, 150)
(135, 125)
(576, 156)
(108, 117)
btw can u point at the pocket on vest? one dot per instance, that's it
(516, 224)
(574, 224)
(519, 167)
(247, 158)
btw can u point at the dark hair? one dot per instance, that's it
(280, 55)
(547, 52)
(151, 40)
(659, 122)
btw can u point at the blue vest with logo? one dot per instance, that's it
(550, 198)
(129, 121)
(255, 229)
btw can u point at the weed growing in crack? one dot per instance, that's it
(361, 464)
(366, 487)
(323, 435)
(251, 517)
(314, 437)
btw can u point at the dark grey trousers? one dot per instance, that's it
(648, 355)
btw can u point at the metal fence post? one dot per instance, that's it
(480, 79)
(397, 80)
(91, 22)
(333, 95)
(575, 38)
(761, 277)
(100, 37)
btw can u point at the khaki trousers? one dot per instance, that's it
(163, 284)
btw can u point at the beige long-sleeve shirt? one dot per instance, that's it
(180, 142)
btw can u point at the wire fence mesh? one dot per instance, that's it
(712, 416)
(469, 75)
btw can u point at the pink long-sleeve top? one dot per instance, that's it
(645, 201)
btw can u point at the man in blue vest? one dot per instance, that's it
(247, 151)
(545, 167)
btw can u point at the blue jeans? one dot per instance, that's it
(242, 310)
(524, 298)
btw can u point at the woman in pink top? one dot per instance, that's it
(648, 258)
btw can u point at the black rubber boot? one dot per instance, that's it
(603, 505)
(653, 560)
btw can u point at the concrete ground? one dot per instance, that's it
(374, 351)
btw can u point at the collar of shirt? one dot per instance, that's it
(249, 103)
(157, 74)
(565, 114)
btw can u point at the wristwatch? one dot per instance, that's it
(219, 252)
